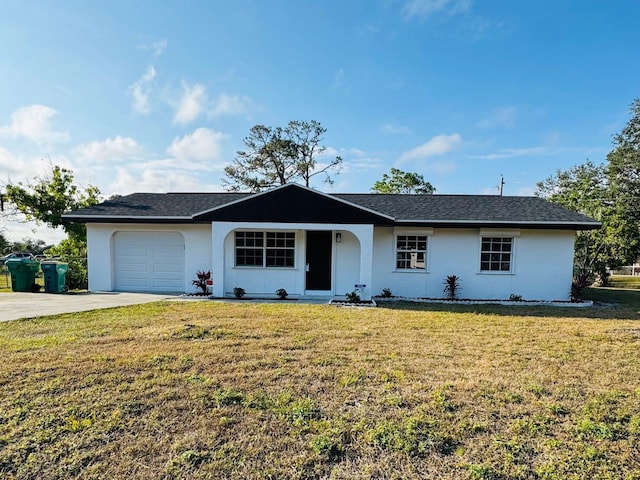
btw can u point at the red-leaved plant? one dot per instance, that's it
(201, 281)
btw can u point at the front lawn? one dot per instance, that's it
(249, 391)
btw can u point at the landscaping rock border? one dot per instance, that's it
(533, 303)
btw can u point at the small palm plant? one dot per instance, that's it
(452, 286)
(202, 281)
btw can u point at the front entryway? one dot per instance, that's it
(318, 276)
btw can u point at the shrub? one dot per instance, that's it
(352, 297)
(201, 281)
(579, 283)
(239, 292)
(282, 293)
(452, 286)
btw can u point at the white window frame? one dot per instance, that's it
(427, 233)
(491, 233)
(265, 248)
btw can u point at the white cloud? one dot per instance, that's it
(519, 152)
(229, 105)
(154, 181)
(501, 117)
(34, 123)
(361, 164)
(10, 164)
(141, 89)
(156, 47)
(438, 145)
(389, 129)
(117, 148)
(425, 8)
(203, 144)
(191, 104)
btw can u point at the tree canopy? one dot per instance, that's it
(403, 182)
(585, 189)
(623, 170)
(609, 193)
(47, 198)
(276, 156)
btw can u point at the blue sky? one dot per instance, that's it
(158, 96)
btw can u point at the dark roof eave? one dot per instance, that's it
(402, 223)
(500, 224)
(127, 219)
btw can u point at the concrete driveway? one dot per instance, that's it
(17, 305)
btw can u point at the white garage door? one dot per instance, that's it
(149, 261)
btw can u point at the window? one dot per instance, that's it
(280, 249)
(495, 254)
(271, 249)
(411, 252)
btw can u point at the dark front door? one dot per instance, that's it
(318, 260)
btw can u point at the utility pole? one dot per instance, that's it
(501, 186)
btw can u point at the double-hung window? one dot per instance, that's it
(496, 254)
(260, 249)
(411, 252)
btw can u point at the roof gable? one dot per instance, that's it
(293, 203)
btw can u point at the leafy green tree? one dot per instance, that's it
(4, 244)
(403, 182)
(624, 164)
(73, 250)
(276, 156)
(47, 198)
(31, 245)
(307, 138)
(585, 189)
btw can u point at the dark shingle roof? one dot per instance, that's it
(434, 210)
(465, 208)
(158, 205)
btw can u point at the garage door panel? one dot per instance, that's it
(168, 285)
(167, 268)
(149, 261)
(162, 252)
(134, 267)
(134, 250)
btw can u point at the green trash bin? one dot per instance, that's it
(23, 273)
(55, 274)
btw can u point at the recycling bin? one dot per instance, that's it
(23, 273)
(55, 274)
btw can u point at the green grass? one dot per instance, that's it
(252, 391)
(624, 281)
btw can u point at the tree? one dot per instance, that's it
(624, 164)
(73, 250)
(403, 182)
(47, 198)
(586, 189)
(276, 156)
(307, 136)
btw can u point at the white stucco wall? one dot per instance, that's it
(351, 260)
(542, 261)
(347, 263)
(542, 264)
(197, 240)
